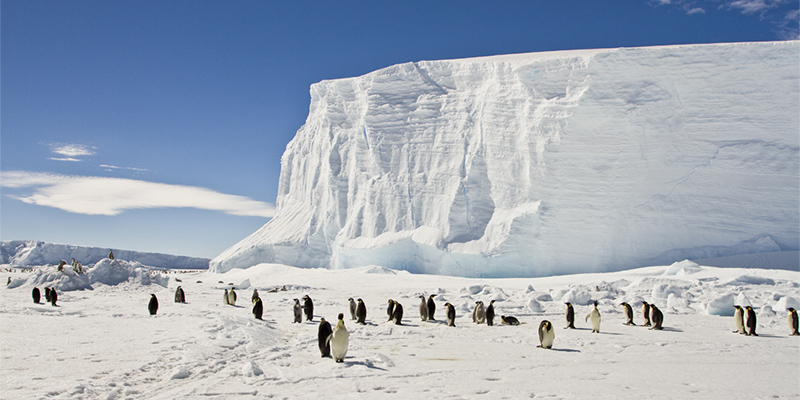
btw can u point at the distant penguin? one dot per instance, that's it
(53, 296)
(390, 310)
(179, 295)
(397, 314)
(298, 311)
(750, 321)
(792, 320)
(153, 305)
(111, 254)
(36, 295)
(490, 313)
(656, 317)
(546, 335)
(231, 297)
(423, 308)
(594, 315)
(569, 313)
(9, 281)
(361, 313)
(225, 298)
(628, 313)
(738, 320)
(451, 314)
(258, 309)
(431, 308)
(308, 308)
(646, 313)
(509, 320)
(255, 296)
(352, 308)
(323, 334)
(479, 313)
(339, 339)
(46, 294)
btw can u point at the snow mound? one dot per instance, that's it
(534, 306)
(743, 280)
(664, 290)
(786, 302)
(105, 272)
(722, 305)
(578, 297)
(684, 267)
(742, 300)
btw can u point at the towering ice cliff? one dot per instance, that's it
(544, 163)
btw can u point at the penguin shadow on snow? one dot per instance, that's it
(564, 350)
(366, 363)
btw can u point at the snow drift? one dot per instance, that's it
(543, 163)
(105, 272)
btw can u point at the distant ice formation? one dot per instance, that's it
(543, 163)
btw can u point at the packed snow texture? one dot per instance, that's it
(103, 344)
(543, 163)
(31, 252)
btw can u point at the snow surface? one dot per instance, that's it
(544, 163)
(102, 344)
(33, 252)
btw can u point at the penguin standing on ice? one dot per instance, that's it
(656, 317)
(153, 305)
(339, 340)
(232, 297)
(451, 314)
(546, 335)
(646, 313)
(397, 314)
(361, 313)
(298, 311)
(53, 296)
(36, 295)
(594, 315)
(750, 321)
(258, 309)
(569, 313)
(431, 308)
(423, 308)
(225, 298)
(323, 334)
(179, 296)
(390, 310)
(509, 320)
(479, 313)
(738, 320)
(628, 313)
(490, 313)
(792, 320)
(352, 308)
(46, 294)
(308, 308)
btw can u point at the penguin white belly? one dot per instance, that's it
(738, 320)
(339, 341)
(594, 316)
(547, 338)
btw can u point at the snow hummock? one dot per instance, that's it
(545, 163)
(105, 272)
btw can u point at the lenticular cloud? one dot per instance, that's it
(111, 196)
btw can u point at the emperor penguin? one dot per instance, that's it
(232, 297)
(646, 313)
(323, 334)
(431, 308)
(153, 305)
(178, 297)
(111, 254)
(225, 297)
(451, 314)
(423, 308)
(298, 311)
(750, 321)
(255, 296)
(308, 308)
(490, 313)
(509, 320)
(792, 320)
(628, 313)
(546, 335)
(258, 309)
(569, 313)
(479, 313)
(594, 315)
(738, 320)
(390, 310)
(656, 317)
(361, 313)
(36, 295)
(397, 314)
(46, 294)
(339, 339)
(53, 296)
(352, 308)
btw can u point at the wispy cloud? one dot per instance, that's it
(113, 167)
(782, 14)
(70, 152)
(111, 196)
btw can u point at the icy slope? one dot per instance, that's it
(535, 164)
(31, 252)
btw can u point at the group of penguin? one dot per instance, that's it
(152, 306)
(50, 295)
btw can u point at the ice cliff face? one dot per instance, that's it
(544, 163)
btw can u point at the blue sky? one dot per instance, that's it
(159, 125)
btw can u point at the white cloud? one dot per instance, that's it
(111, 196)
(111, 167)
(71, 151)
